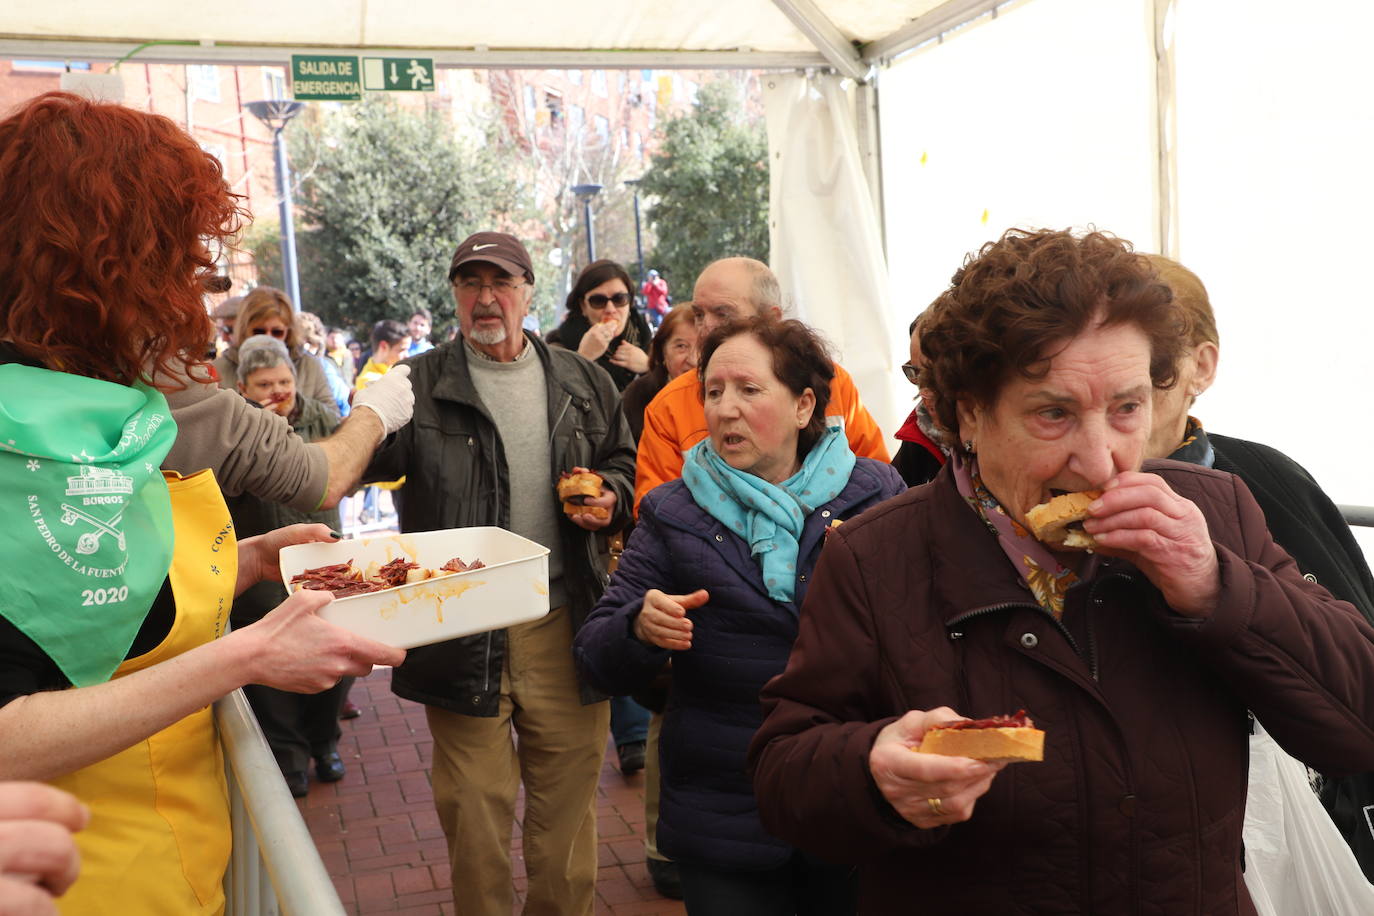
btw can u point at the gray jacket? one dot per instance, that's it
(456, 477)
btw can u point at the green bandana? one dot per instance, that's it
(87, 538)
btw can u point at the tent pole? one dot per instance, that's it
(1166, 130)
(829, 40)
(869, 130)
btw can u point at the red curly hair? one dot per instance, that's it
(108, 217)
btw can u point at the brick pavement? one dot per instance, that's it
(380, 838)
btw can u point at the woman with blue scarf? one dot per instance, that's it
(713, 579)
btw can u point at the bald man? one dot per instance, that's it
(675, 419)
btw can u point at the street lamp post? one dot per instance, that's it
(639, 240)
(276, 114)
(585, 193)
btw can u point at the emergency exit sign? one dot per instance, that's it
(399, 74)
(325, 78)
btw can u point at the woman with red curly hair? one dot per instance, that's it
(119, 577)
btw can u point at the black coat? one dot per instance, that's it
(456, 477)
(916, 464)
(569, 335)
(1305, 522)
(636, 397)
(1301, 517)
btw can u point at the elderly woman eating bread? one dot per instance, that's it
(1138, 658)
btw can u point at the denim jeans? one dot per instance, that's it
(629, 721)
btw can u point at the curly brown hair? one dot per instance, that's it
(1011, 307)
(109, 220)
(800, 361)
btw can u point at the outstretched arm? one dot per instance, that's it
(54, 732)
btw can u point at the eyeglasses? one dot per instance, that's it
(472, 286)
(278, 333)
(912, 373)
(599, 300)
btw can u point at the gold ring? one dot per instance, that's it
(936, 808)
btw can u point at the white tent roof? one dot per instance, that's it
(847, 34)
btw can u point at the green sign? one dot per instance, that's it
(325, 78)
(400, 74)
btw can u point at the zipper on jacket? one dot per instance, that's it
(486, 668)
(979, 612)
(553, 427)
(1094, 602)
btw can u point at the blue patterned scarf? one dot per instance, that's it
(769, 516)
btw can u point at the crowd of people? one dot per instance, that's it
(788, 611)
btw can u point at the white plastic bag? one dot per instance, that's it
(1296, 861)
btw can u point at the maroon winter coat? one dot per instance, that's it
(1138, 805)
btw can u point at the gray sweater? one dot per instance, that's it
(515, 394)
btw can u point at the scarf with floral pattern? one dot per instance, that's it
(1043, 575)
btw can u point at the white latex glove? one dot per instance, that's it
(390, 397)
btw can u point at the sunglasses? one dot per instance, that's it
(913, 374)
(278, 333)
(599, 300)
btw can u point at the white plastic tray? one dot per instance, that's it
(513, 586)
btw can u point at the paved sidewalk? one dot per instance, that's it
(381, 841)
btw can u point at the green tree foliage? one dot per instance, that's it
(385, 195)
(709, 186)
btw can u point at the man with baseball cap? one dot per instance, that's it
(498, 415)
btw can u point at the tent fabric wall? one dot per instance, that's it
(825, 241)
(1042, 117)
(1275, 140)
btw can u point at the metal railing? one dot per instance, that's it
(274, 867)
(1362, 516)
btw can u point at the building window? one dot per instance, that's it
(531, 107)
(202, 82)
(639, 146)
(273, 83)
(575, 77)
(56, 66)
(599, 82)
(219, 152)
(554, 103)
(576, 117)
(603, 130)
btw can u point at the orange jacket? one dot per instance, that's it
(675, 420)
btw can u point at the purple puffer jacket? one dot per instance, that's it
(740, 639)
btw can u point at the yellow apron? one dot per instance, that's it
(158, 841)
